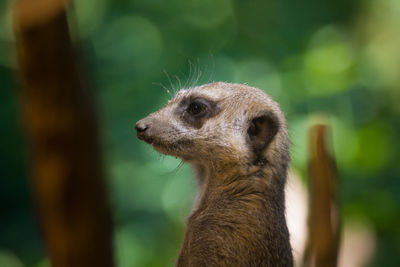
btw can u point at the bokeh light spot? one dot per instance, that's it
(206, 13)
(8, 259)
(329, 64)
(130, 251)
(375, 147)
(132, 40)
(177, 196)
(89, 14)
(259, 73)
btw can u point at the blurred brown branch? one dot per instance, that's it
(324, 217)
(61, 127)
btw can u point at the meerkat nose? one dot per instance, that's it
(141, 127)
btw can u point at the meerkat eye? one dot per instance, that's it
(196, 108)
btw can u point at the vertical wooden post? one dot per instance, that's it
(61, 128)
(324, 216)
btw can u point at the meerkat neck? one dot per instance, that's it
(248, 209)
(212, 184)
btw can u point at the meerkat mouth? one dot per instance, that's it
(144, 137)
(172, 149)
(162, 148)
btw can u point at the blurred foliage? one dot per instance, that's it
(335, 59)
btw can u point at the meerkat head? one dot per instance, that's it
(217, 125)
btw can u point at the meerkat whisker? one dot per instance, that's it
(169, 79)
(179, 80)
(164, 87)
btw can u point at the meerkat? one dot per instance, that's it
(235, 137)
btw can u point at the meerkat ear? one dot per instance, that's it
(262, 129)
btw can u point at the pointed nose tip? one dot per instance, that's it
(141, 127)
(142, 130)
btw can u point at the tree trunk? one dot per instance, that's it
(61, 128)
(324, 216)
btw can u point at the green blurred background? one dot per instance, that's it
(335, 59)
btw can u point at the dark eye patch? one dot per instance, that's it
(195, 110)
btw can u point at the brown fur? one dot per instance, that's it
(238, 146)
